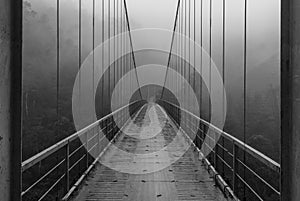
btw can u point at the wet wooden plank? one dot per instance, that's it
(185, 179)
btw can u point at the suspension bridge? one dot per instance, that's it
(137, 145)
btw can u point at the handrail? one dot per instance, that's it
(235, 162)
(50, 150)
(65, 145)
(255, 153)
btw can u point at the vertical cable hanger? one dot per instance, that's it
(57, 73)
(189, 69)
(103, 78)
(79, 54)
(79, 32)
(194, 81)
(114, 46)
(185, 47)
(79, 51)
(57, 60)
(118, 46)
(79, 45)
(209, 66)
(245, 85)
(223, 72)
(210, 49)
(189, 63)
(178, 51)
(109, 50)
(170, 52)
(201, 68)
(176, 54)
(201, 57)
(93, 46)
(117, 50)
(123, 43)
(182, 42)
(185, 30)
(122, 47)
(117, 42)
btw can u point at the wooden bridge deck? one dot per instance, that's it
(150, 174)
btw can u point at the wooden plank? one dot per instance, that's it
(184, 179)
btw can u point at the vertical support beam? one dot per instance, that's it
(290, 100)
(10, 98)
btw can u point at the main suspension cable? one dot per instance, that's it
(170, 52)
(131, 46)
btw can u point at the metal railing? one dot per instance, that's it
(69, 153)
(245, 173)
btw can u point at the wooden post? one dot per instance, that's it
(290, 100)
(10, 99)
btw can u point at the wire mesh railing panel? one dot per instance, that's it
(257, 175)
(75, 156)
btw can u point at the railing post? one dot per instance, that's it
(201, 134)
(111, 129)
(107, 128)
(98, 138)
(67, 175)
(177, 115)
(87, 149)
(216, 152)
(234, 167)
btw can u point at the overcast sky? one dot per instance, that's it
(152, 13)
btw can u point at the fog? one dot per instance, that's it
(263, 33)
